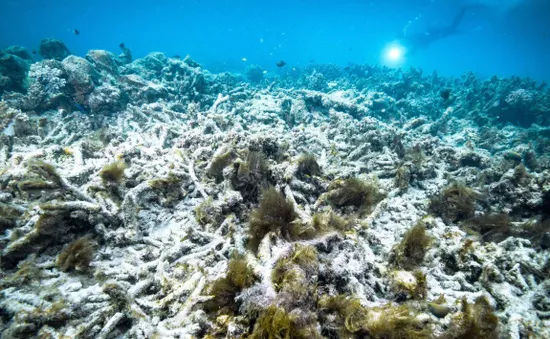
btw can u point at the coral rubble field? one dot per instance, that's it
(154, 199)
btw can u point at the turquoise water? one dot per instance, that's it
(504, 38)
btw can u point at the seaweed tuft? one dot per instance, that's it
(354, 192)
(218, 164)
(475, 321)
(224, 290)
(491, 227)
(455, 203)
(350, 319)
(308, 166)
(276, 323)
(322, 223)
(396, 321)
(77, 255)
(349, 316)
(250, 175)
(113, 173)
(274, 214)
(410, 252)
(293, 273)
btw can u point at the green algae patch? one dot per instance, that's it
(354, 192)
(456, 202)
(113, 173)
(410, 252)
(76, 256)
(274, 214)
(224, 290)
(218, 164)
(475, 321)
(308, 166)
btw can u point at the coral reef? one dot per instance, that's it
(254, 74)
(53, 49)
(151, 198)
(14, 67)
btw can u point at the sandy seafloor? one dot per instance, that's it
(127, 190)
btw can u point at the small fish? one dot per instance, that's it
(439, 311)
(80, 108)
(76, 32)
(122, 46)
(281, 63)
(34, 51)
(244, 59)
(177, 57)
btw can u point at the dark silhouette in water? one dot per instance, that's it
(421, 40)
(445, 94)
(126, 56)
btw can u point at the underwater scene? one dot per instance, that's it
(275, 169)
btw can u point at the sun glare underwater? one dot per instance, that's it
(394, 54)
(275, 170)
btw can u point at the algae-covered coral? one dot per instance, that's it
(77, 255)
(152, 198)
(274, 214)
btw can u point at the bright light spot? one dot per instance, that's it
(394, 54)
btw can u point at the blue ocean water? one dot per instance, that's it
(504, 37)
